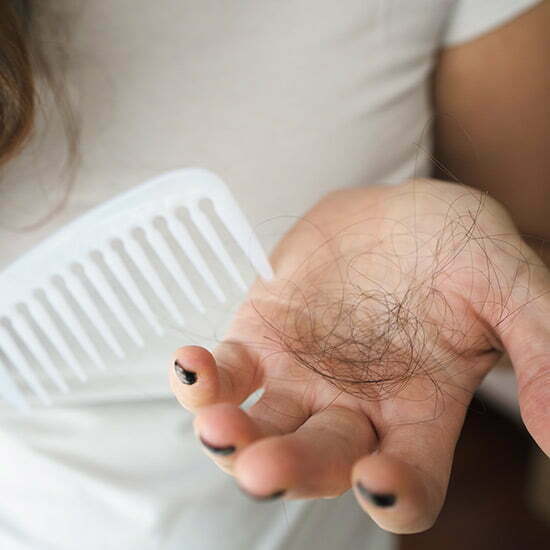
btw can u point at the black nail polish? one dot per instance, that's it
(272, 496)
(224, 451)
(186, 376)
(384, 500)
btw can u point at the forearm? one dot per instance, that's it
(493, 118)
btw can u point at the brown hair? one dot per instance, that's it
(33, 58)
(17, 102)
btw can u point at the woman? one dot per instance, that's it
(286, 102)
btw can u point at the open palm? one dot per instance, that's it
(389, 306)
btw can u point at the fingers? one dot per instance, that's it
(398, 497)
(402, 486)
(199, 378)
(224, 429)
(314, 461)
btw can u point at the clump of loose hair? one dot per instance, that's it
(369, 340)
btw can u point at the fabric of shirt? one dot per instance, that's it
(285, 101)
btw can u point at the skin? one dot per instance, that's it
(310, 438)
(493, 117)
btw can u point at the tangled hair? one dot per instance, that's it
(369, 338)
(33, 59)
(365, 343)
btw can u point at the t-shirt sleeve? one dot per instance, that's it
(472, 18)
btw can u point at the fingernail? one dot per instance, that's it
(272, 496)
(186, 376)
(384, 500)
(230, 449)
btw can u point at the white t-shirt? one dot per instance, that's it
(285, 101)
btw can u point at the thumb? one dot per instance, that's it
(524, 331)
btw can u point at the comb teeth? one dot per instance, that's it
(180, 234)
(104, 288)
(43, 319)
(171, 264)
(210, 235)
(40, 353)
(142, 262)
(24, 366)
(95, 232)
(73, 324)
(120, 272)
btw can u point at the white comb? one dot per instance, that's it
(95, 232)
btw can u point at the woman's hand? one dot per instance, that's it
(389, 306)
